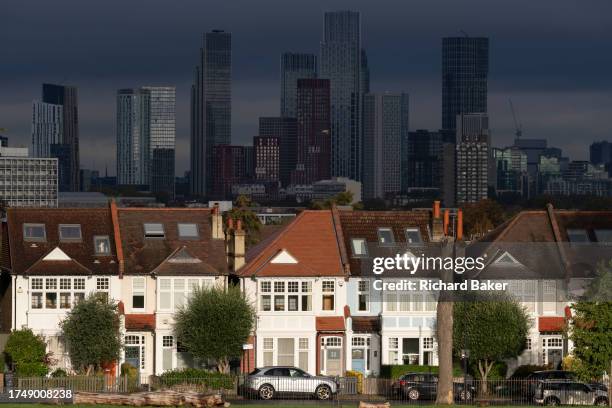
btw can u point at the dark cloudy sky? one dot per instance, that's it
(552, 57)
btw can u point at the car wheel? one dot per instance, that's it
(266, 392)
(602, 402)
(465, 395)
(413, 394)
(323, 392)
(552, 402)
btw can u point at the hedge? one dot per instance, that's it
(195, 376)
(396, 371)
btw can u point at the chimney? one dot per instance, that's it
(117, 237)
(459, 225)
(217, 223)
(437, 228)
(446, 221)
(236, 245)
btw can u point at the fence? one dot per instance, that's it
(409, 389)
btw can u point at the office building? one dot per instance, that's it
(313, 132)
(341, 64)
(27, 181)
(3, 141)
(285, 129)
(383, 116)
(511, 170)
(211, 108)
(230, 168)
(47, 127)
(465, 67)
(266, 152)
(146, 134)
(472, 158)
(422, 160)
(533, 148)
(601, 153)
(67, 97)
(294, 66)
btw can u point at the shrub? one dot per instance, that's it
(59, 373)
(131, 373)
(27, 353)
(359, 376)
(195, 376)
(396, 371)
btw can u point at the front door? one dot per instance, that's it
(331, 355)
(358, 360)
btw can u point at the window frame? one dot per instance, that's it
(35, 239)
(379, 235)
(188, 237)
(153, 234)
(409, 230)
(69, 239)
(365, 247)
(273, 293)
(97, 238)
(365, 292)
(327, 292)
(57, 287)
(138, 291)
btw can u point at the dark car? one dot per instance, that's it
(424, 386)
(534, 379)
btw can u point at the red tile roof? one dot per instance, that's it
(331, 323)
(140, 321)
(366, 324)
(310, 238)
(549, 324)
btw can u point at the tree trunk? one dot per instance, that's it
(484, 368)
(223, 365)
(444, 315)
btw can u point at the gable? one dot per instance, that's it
(57, 255)
(507, 260)
(283, 257)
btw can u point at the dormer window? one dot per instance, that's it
(188, 231)
(385, 236)
(70, 232)
(154, 230)
(34, 232)
(413, 236)
(604, 236)
(360, 247)
(102, 245)
(577, 236)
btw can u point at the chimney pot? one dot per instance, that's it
(446, 221)
(459, 225)
(436, 209)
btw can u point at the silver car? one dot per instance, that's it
(268, 382)
(568, 392)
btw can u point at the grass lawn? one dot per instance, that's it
(271, 404)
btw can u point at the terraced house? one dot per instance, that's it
(147, 259)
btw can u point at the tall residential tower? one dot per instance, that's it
(294, 66)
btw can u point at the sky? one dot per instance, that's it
(553, 58)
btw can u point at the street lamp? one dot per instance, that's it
(465, 356)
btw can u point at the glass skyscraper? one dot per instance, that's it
(211, 108)
(465, 68)
(293, 67)
(341, 64)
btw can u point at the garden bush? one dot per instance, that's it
(27, 353)
(359, 376)
(214, 380)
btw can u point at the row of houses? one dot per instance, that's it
(309, 281)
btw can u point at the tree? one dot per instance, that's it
(482, 217)
(214, 324)
(250, 222)
(591, 326)
(91, 331)
(492, 327)
(343, 198)
(27, 353)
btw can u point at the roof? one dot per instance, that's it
(26, 257)
(160, 255)
(330, 324)
(365, 224)
(538, 241)
(140, 321)
(366, 324)
(548, 324)
(310, 239)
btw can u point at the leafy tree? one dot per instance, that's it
(250, 222)
(343, 198)
(483, 216)
(493, 327)
(591, 326)
(27, 353)
(215, 324)
(91, 330)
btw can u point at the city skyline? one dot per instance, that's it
(529, 63)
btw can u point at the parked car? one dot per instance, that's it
(568, 392)
(534, 378)
(423, 386)
(269, 382)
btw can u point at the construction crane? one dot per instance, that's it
(517, 124)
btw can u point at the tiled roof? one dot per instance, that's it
(366, 324)
(310, 238)
(330, 324)
(365, 224)
(25, 254)
(548, 324)
(145, 255)
(140, 321)
(44, 267)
